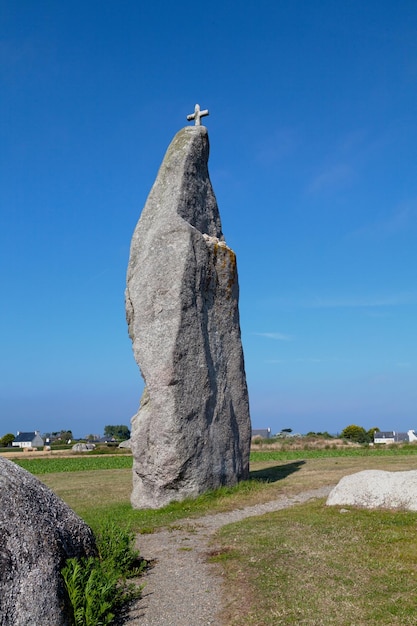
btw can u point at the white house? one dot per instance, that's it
(411, 436)
(264, 433)
(393, 437)
(28, 440)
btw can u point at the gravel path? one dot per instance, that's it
(182, 588)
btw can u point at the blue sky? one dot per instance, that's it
(313, 139)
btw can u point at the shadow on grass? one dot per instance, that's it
(275, 473)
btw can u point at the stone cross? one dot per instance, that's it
(197, 115)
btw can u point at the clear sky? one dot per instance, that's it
(313, 134)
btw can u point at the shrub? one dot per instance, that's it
(356, 433)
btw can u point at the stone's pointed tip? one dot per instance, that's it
(193, 129)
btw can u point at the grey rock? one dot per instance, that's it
(374, 489)
(192, 432)
(126, 444)
(38, 532)
(83, 447)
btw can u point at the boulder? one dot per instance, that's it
(126, 444)
(38, 532)
(83, 447)
(192, 432)
(374, 489)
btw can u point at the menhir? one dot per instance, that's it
(192, 432)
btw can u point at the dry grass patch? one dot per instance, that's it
(292, 477)
(302, 443)
(308, 565)
(92, 489)
(95, 493)
(312, 565)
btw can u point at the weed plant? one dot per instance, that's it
(98, 587)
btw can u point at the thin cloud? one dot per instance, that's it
(309, 360)
(273, 361)
(376, 304)
(331, 178)
(275, 336)
(375, 314)
(400, 220)
(359, 301)
(278, 145)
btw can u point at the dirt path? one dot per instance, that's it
(182, 588)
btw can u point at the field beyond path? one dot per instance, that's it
(182, 587)
(288, 565)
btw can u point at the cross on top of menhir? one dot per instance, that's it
(197, 115)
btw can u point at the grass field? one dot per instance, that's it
(64, 464)
(57, 463)
(308, 565)
(288, 453)
(313, 565)
(99, 487)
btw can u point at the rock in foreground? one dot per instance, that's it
(192, 431)
(38, 532)
(374, 489)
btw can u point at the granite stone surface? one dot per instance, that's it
(192, 431)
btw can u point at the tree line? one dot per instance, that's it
(118, 432)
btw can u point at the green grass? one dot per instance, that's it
(313, 565)
(81, 463)
(52, 465)
(99, 495)
(147, 520)
(308, 565)
(327, 453)
(56, 464)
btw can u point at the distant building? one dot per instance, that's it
(107, 440)
(28, 440)
(265, 433)
(391, 436)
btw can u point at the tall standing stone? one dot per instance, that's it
(192, 431)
